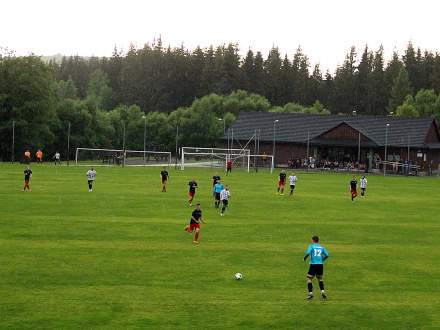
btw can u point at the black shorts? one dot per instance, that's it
(292, 187)
(217, 196)
(225, 202)
(316, 270)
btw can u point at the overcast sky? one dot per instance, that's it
(325, 29)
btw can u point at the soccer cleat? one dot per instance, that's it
(221, 214)
(323, 295)
(196, 242)
(309, 296)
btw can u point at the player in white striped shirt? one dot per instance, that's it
(364, 183)
(292, 183)
(224, 198)
(91, 174)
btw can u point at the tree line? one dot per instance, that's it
(159, 78)
(41, 109)
(200, 91)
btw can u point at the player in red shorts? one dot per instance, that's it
(27, 177)
(282, 182)
(229, 166)
(164, 175)
(353, 188)
(194, 223)
(192, 191)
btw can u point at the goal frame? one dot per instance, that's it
(124, 152)
(271, 157)
(144, 153)
(223, 152)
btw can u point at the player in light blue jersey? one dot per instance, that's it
(318, 254)
(218, 187)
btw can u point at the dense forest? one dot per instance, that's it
(200, 90)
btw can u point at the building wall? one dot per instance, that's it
(433, 135)
(343, 132)
(414, 156)
(285, 151)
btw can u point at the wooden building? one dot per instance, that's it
(341, 138)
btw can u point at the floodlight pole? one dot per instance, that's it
(224, 126)
(258, 145)
(255, 150)
(228, 142)
(145, 137)
(308, 147)
(359, 152)
(232, 138)
(123, 143)
(68, 143)
(386, 147)
(274, 138)
(13, 140)
(177, 144)
(407, 160)
(359, 143)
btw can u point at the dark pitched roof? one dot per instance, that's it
(295, 127)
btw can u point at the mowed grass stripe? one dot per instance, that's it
(119, 258)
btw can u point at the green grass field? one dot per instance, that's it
(118, 258)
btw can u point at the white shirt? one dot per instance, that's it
(57, 155)
(224, 195)
(91, 175)
(292, 180)
(364, 183)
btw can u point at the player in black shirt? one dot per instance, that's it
(215, 179)
(192, 190)
(164, 176)
(194, 223)
(27, 177)
(282, 182)
(353, 188)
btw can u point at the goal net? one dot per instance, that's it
(214, 157)
(119, 157)
(264, 162)
(152, 158)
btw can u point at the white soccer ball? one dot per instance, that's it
(238, 276)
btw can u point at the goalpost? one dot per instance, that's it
(214, 157)
(262, 162)
(107, 157)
